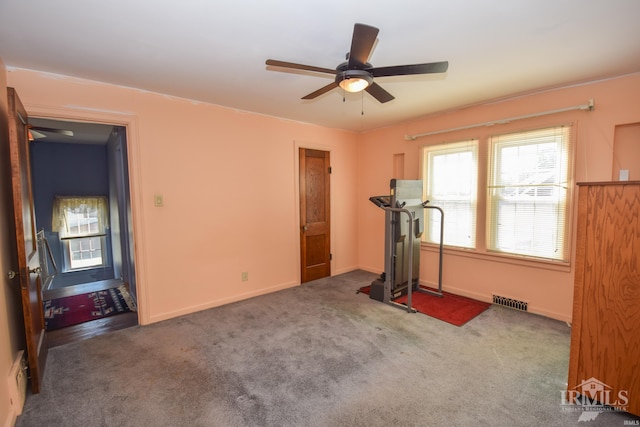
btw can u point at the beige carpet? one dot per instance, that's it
(315, 355)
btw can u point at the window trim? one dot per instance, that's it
(465, 145)
(513, 259)
(512, 139)
(60, 224)
(481, 252)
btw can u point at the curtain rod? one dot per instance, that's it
(587, 107)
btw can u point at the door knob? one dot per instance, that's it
(36, 270)
(305, 227)
(12, 274)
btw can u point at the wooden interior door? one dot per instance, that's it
(28, 261)
(315, 224)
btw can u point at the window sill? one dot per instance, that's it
(83, 269)
(498, 257)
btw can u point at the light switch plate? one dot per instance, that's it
(158, 200)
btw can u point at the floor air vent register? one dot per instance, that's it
(510, 302)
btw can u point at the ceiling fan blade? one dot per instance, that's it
(34, 134)
(321, 91)
(39, 129)
(378, 93)
(283, 64)
(364, 37)
(405, 70)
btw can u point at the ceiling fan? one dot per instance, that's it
(38, 132)
(356, 74)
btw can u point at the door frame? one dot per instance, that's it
(296, 205)
(130, 123)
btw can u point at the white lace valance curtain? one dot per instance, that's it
(80, 216)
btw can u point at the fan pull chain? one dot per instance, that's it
(362, 101)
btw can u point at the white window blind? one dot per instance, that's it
(450, 173)
(529, 174)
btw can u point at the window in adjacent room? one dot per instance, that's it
(528, 192)
(450, 173)
(82, 223)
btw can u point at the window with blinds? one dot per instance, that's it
(528, 190)
(450, 173)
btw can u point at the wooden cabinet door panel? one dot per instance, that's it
(605, 342)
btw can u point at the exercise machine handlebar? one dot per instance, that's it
(441, 248)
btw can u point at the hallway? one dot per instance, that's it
(91, 329)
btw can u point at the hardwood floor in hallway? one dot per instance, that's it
(88, 329)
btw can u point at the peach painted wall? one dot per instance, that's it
(626, 151)
(547, 288)
(239, 169)
(229, 182)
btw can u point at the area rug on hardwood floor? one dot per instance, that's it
(75, 309)
(450, 308)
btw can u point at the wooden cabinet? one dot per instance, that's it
(605, 337)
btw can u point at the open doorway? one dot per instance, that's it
(80, 184)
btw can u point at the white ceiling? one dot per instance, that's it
(215, 51)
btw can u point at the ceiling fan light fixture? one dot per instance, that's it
(356, 74)
(354, 80)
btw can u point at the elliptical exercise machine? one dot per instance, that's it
(403, 229)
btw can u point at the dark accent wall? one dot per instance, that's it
(67, 170)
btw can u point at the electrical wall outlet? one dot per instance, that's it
(245, 276)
